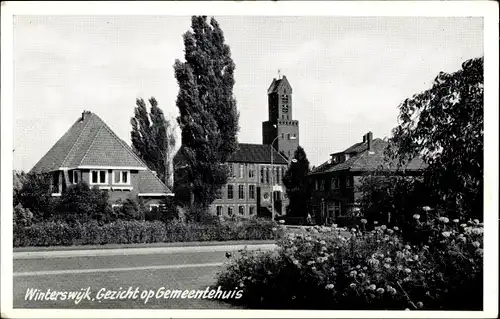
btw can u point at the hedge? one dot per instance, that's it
(130, 232)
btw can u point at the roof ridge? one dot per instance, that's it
(76, 141)
(90, 146)
(128, 148)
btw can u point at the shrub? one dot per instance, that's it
(367, 271)
(79, 203)
(22, 216)
(60, 233)
(34, 194)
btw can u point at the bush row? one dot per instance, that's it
(369, 270)
(56, 233)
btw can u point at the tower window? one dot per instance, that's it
(282, 135)
(288, 136)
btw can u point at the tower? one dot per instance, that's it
(280, 126)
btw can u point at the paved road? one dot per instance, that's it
(182, 268)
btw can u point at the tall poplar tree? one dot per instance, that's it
(208, 115)
(153, 139)
(296, 182)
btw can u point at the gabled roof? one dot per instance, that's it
(362, 159)
(276, 84)
(246, 153)
(88, 142)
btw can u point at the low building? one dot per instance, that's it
(335, 182)
(90, 151)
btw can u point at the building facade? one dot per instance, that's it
(336, 182)
(91, 152)
(248, 191)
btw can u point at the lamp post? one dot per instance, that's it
(272, 173)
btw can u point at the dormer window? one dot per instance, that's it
(121, 177)
(75, 176)
(98, 177)
(347, 157)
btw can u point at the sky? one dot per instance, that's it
(348, 74)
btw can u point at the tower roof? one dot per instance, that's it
(276, 85)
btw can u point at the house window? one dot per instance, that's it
(242, 171)
(335, 183)
(251, 171)
(251, 210)
(231, 170)
(229, 191)
(316, 185)
(288, 136)
(251, 191)
(262, 175)
(322, 185)
(76, 176)
(121, 177)
(267, 175)
(154, 208)
(278, 175)
(348, 181)
(99, 177)
(241, 191)
(283, 134)
(219, 193)
(230, 211)
(282, 174)
(337, 209)
(241, 210)
(219, 210)
(347, 157)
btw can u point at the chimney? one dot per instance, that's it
(369, 139)
(364, 138)
(83, 116)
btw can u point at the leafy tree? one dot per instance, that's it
(80, 203)
(22, 216)
(208, 116)
(296, 182)
(153, 139)
(444, 125)
(33, 192)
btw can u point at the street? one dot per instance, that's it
(98, 271)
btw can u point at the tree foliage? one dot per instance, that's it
(80, 203)
(33, 192)
(153, 139)
(208, 116)
(296, 182)
(444, 125)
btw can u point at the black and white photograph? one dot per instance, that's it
(235, 159)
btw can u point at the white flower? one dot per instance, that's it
(329, 286)
(476, 244)
(364, 221)
(456, 221)
(407, 270)
(380, 290)
(476, 221)
(375, 222)
(444, 219)
(446, 234)
(372, 287)
(426, 208)
(352, 285)
(416, 216)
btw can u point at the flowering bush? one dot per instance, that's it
(367, 270)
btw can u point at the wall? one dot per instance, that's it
(243, 179)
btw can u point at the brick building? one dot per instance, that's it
(335, 182)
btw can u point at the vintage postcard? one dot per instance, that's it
(249, 159)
